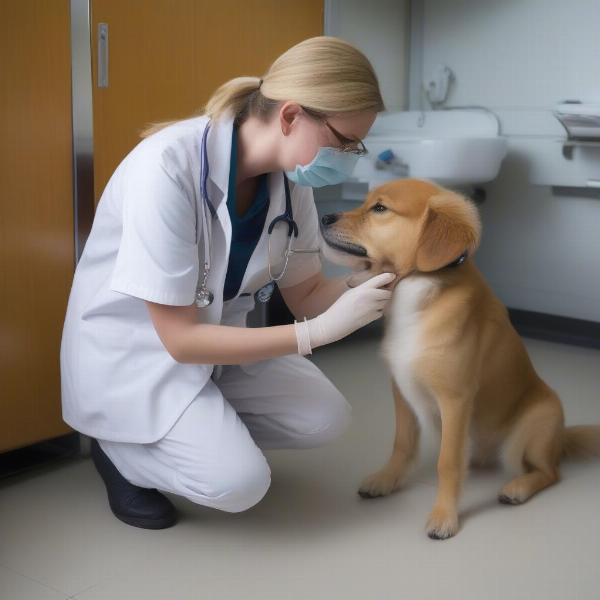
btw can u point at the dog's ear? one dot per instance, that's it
(451, 225)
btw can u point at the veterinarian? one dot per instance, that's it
(158, 366)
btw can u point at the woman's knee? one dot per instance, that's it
(233, 486)
(329, 420)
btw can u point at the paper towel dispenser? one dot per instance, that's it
(581, 120)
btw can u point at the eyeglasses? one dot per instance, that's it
(348, 145)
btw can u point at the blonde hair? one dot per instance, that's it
(325, 74)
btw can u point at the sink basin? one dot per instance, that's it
(450, 147)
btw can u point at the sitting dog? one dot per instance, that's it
(452, 351)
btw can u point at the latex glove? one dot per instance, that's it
(357, 277)
(362, 274)
(352, 310)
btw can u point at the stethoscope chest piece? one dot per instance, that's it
(204, 298)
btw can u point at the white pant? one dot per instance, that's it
(212, 454)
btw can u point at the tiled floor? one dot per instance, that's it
(312, 536)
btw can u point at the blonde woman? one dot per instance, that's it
(158, 366)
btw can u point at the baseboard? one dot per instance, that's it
(555, 328)
(39, 455)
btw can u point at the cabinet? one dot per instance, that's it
(166, 57)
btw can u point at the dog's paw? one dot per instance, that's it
(442, 524)
(511, 494)
(505, 499)
(381, 483)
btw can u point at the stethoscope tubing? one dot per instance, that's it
(287, 217)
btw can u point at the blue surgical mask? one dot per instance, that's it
(328, 167)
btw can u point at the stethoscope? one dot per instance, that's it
(204, 297)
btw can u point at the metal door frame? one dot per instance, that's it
(83, 123)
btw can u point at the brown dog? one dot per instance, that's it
(452, 351)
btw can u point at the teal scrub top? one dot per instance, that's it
(246, 230)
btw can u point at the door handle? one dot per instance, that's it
(103, 55)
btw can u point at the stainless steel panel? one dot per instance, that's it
(83, 150)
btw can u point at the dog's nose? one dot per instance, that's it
(329, 219)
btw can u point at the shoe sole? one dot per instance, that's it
(147, 523)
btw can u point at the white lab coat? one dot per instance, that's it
(119, 382)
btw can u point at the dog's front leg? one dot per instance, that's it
(455, 415)
(406, 445)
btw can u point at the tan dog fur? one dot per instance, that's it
(452, 351)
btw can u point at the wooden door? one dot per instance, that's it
(36, 216)
(165, 59)
(167, 56)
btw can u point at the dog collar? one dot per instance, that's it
(455, 263)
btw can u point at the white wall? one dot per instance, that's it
(379, 28)
(520, 57)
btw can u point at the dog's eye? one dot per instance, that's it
(378, 207)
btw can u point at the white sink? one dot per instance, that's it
(450, 147)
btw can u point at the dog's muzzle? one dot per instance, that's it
(338, 239)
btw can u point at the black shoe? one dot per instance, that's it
(134, 505)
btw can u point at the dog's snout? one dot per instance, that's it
(329, 219)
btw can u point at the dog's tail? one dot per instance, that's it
(581, 441)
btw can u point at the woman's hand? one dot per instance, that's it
(354, 309)
(358, 277)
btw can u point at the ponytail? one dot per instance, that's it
(322, 73)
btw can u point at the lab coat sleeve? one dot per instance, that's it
(157, 258)
(302, 266)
